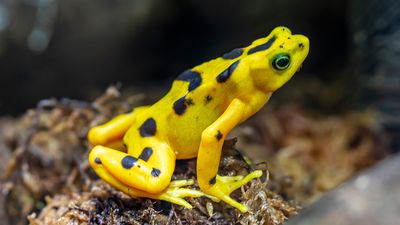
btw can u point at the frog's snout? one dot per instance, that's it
(302, 42)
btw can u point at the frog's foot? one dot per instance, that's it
(174, 193)
(222, 186)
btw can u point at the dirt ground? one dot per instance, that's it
(46, 178)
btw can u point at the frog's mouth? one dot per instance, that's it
(298, 69)
(301, 50)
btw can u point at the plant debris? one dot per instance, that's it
(47, 176)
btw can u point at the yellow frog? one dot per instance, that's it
(192, 120)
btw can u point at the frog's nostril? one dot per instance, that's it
(301, 45)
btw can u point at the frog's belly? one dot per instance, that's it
(186, 147)
(184, 132)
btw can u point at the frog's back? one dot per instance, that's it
(195, 100)
(200, 95)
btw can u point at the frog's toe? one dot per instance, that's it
(181, 183)
(175, 193)
(235, 182)
(225, 185)
(176, 200)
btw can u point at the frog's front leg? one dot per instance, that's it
(142, 177)
(210, 152)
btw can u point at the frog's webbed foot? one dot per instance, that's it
(174, 193)
(225, 185)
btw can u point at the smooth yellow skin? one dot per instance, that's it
(194, 126)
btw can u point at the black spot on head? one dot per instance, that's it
(262, 47)
(301, 45)
(128, 162)
(233, 54)
(208, 99)
(180, 105)
(146, 154)
(219, 135)
(213, 180)
(97, 160)
(155, 172)
(222, 77)
(148, 128)
(192, 77)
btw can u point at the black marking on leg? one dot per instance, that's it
(155, 172)
(233, 54)
(224, 76)
(262, 47)
(148, 128)
(219, 135)
(180, 106)
(193, 77)
(146, 154)
(97, 160)
(128, 161)
(208, 99)
(213, 180)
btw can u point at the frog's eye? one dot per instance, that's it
(281, 61)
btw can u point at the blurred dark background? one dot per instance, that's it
(75, 49)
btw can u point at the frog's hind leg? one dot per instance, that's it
(110, 134)
(138, 177)
(151, 171)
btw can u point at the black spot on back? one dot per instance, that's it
(208, 99)
(218, 136)
(189, 101)
(148, 128)
(233, 54)
(222, 77)
(155, 172)
(262, 47)
(128, 162)
(146, 154)
(193, 77)
(212, 180)
(180, 105)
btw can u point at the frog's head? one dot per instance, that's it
(273, 60)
